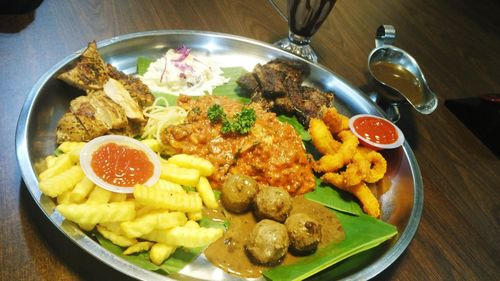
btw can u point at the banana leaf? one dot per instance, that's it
(335, 199)
(362, 233)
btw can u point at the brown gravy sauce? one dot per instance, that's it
(400, 79)
(229, 254)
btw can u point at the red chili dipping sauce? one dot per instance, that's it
(121, 165)
(376, 130)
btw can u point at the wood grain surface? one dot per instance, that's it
(456, 43)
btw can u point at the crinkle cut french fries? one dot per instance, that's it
(158, 219)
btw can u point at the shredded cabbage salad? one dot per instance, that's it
(179, 71)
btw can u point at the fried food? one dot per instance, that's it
(159, 198)
(370, 203)
(345, 164)
(113, 102)
(354, 173)
(160, 252)
(193, 162)
(89, 73)
(322, 138)
(378, 165)
(185, 236)
(339, 158)
(206, 193)
(138, 247)
(98, 213)
(179, 175)
(69, 128)
(62, 182)
(335, 121)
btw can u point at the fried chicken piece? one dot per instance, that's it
(137, 90)
(308, 103)
(258, 97)
(90, 71)
(132, 129)
(108, 111)
(98, 114)
(117, 93)
(86, 114)
(69, 128)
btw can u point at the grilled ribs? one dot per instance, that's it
(277, 86)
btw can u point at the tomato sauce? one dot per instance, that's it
(376, 130)
(121, 165)
(272, 152)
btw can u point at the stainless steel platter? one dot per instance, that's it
(49, 98)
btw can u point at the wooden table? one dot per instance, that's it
(455, 42)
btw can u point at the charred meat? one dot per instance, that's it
(89, 73)
(137, 90)
(113, 102)
(277, 86)
(69, 128)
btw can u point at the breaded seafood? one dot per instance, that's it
(345, 164)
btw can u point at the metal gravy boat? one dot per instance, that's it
(400, 75)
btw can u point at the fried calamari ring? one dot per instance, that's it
(378, 164)
(355, 172)
(331, 162)
(321, 137)
(335, 121)
(346, 165)
(370, 203)
(371, 206)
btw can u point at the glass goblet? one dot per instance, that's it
(304, 18)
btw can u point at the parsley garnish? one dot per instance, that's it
(241, 122)
(216, 113)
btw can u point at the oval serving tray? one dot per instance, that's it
(49, 98)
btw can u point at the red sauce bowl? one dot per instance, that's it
(376, 132)
(117, 163)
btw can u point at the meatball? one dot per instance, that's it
(268, 242)
(238, 193)
(273, 203)
(304, 233)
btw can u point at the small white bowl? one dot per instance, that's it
(373, 145)
(89, 148)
